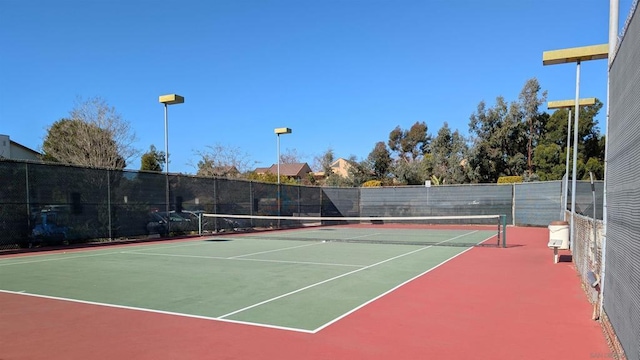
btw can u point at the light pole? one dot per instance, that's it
(167, 100)
(568, 104)
(279, 131)
(575, 55)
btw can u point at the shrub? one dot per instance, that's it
(509, 179)
(372, 183)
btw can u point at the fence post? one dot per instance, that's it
(109, 202)
(215, 202)
(513, 204)
(595, 226)
(251, 197)
(26, 176)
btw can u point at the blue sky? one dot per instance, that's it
(341, 73)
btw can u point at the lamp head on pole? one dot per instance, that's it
(283, 130)
(171, 99)
(578, 54)
(569, 104)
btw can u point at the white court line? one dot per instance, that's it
(338, 277)
(319, 283)
(361, 236)
(301, 262)
(274, 250)
(239, 259)
(398, 286)
(65, 257)
(189, 243)
(456, 237)
(154, 311)
(222, 318)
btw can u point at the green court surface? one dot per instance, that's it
(299, 285)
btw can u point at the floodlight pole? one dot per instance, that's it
(574, 171)
(168, 100)
(566, 168)
(279, 131)
(568, 104)
(278, 136)
(577, 55)
(278, 144)
(166, 165)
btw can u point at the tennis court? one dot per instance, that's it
(300, 280)
(256, 296)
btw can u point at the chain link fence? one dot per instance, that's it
(50, 204)
(621, 275)
(449, 200)
(587, 251)
(58, 204)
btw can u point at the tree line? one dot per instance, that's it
(507, 139)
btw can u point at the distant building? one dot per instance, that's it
(13, 151)
(298, 171)
(339, 167)
(261, 170)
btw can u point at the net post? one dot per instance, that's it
(499, 224)
(503, 219)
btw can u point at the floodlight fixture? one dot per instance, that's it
(577, 54)
(283, 130)
(171, 99)
(570, 104)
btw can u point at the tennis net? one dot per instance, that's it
(464, 230)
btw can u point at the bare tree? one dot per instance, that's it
(290, 156)
(93, 135)
(221, 160)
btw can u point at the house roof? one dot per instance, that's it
(297, 170)
(20, 151)
(24, 148)
(261, 170)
